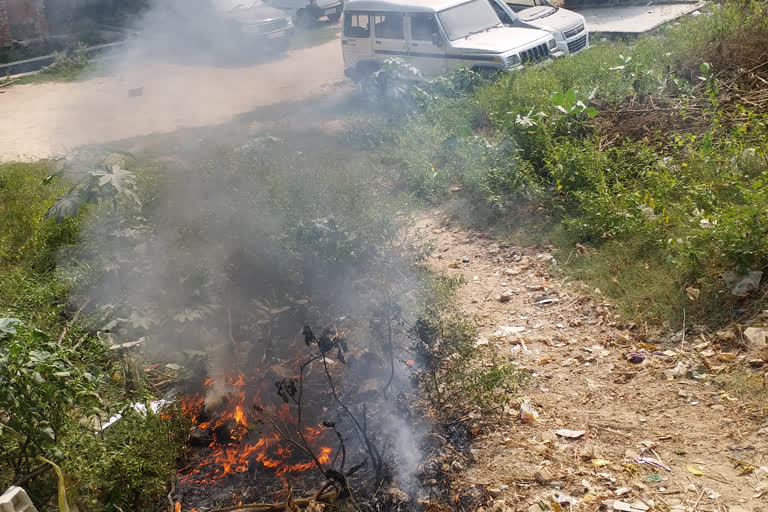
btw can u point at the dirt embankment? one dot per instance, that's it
(41, 120)
(628, 420)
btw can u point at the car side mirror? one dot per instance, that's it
(437, 40)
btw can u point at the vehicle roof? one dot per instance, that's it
(401, 5)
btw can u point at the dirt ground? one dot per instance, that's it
(651, 434)
(41, 120)
(708, 447)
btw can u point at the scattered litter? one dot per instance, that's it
(622, 491)
(600, 462)
(138, 91)
(711, 494)
(141, 408)
(130, 344)
(547, 301)
(528, 414)
(173, 366)
(507, 330)
(465, 260)
(622, 506)
(653, 478)
(546, 257)
(636, 358)
(742, 285)
(693, 293)
(756, 335)
(652, 462)
(570, 434)
(694, 470)
(564, 499)
(481, 341)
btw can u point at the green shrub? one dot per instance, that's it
(26, 236)
(455, 372)
(132, 465)
(44, 388)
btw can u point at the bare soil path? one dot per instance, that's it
(709, 446)
(40, 120)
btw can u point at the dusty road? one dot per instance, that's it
(42, 120)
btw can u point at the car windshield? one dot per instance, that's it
(233, 5)
(467, 19)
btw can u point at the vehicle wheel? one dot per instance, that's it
(335, 17)
(304, 18)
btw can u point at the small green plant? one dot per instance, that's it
(108, 182)
(68, 65)
(453, 370)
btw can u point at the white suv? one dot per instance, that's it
(567, 27)
(436, 36)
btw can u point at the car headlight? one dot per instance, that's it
(552, 44)
(513, 60)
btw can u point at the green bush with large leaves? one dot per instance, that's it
(44, 389)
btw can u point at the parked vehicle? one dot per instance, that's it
(307, 12)
(567, 27)
(436, 36)
(252, 21)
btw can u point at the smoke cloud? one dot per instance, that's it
(249, 226)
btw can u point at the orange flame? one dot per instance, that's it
(235, 454)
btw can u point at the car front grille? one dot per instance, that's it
(535, 54)
(272, 25)
(267, 27)
(577, 44)
(572, 32)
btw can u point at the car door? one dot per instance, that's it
(426, 45)
(356, 38)
(389, 34)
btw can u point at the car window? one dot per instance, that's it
(501, 13)
(357, 24)
(519, 5)
(389, 25)
(423, 26)
(468, 18)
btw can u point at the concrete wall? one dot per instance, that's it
(27, 18)
(5, 26)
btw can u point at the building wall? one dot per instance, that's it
(5, 27)
(27, 18)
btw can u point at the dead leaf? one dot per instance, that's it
(693, 293)
(314, 506)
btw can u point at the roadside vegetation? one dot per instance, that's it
(58, 381)
(644, 161)
(97, 252)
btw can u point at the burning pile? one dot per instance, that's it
(242, 432)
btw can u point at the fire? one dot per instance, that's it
(236, 447)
